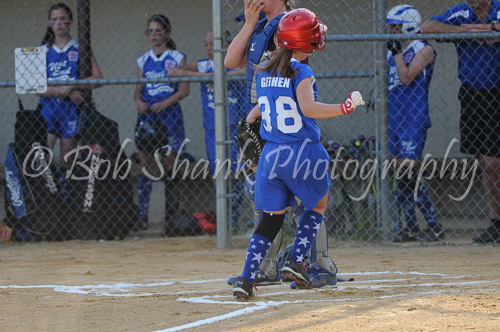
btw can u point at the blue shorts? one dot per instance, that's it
(407, 143)
(287, 170)
(234, 152)
(174, 121)
(61, 116)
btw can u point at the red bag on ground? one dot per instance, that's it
(207, 221)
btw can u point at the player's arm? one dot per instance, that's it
(408, 73)
(96, 74)
(174, 98)
(140, 105)
(237, 51)
(435, 26)
(96, 71)
(313, 109)
(182, 72)
(56, 91)
(191, 67)
(183, 89)
(239, 71)
(253, 115)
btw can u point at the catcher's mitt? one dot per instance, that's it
(249, 142)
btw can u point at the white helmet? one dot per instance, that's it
(406, 15)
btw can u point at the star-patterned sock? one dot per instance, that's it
(257, 250)
(306, 234)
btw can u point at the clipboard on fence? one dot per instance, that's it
(31, 70)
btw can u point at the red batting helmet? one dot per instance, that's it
(301, 30)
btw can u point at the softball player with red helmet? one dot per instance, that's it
(293, 161)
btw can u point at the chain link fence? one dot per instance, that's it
(100, 192)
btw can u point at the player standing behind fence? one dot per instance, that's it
(479, 95)
(293, 161)
(237, 109)
(159, 119)
(411, 63)
(60, 103)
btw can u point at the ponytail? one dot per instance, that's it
(171, 44)
(49, 37)
(289, 5)
(280, 63)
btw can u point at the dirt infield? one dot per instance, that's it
(180, 284)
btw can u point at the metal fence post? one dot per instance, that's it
(384, 192)
(223, 234)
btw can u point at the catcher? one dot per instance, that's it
(322, 269)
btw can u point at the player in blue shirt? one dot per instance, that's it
(159, 120)
(237, 109)
(479, 95)
(411, 65)
(293, 161)
(253, 45)
(60, 103)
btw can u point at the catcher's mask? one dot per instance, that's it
(150, 135)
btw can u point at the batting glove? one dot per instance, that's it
(353, 101)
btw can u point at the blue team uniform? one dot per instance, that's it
(237, 109)
(155, 67)
(408, 106)
(293, 161)
(61, 114)
(478, 65)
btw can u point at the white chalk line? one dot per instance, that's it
(261, 305)
(124, 290)
(265, 305)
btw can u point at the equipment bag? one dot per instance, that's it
(35, 204)
(102, 187)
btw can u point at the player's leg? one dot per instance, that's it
(306, 233)
(272, 196)
(313, 192)
(51, 140)
(490, 174)
(268, 272)
(146, 145)
(490, 164)
(322, 268)
(479, 136)
(433, 231)
(68, 119)
(174, 122)
(259, 246)
(50, 118)
(144, 187)
(67, 145)
(406, 177)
